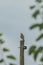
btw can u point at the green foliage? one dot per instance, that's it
(37, 25)
(5, 49)
(1, 41)
(34, 26)
(11, 57)
(32, 49)
(35, 52)
(1, 34)
(32, 7)
(12, 64)
(40, 37)
(36, 13)
(39, 1)
(41, 59)
(39, 50)
(1, 60)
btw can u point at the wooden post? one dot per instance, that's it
(22, 49)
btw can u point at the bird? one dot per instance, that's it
(22, 36)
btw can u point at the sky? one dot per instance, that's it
(15, 18)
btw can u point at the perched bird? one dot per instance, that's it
(22, 36)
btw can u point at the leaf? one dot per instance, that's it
(37, 25)
(36, 13)
(11, 57)
(12, 64)
(40, 37)
(1, 60)
(1, 34)
(39, 1)
(34, 26)
(41, 59)
(39, 50)
(5, 49)
(1, 41)
(32, 7)
(32, 49)
(36, 54)
(41, 26)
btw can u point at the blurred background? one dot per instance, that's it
(15, 18)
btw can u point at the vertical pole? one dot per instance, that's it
(22, 50)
